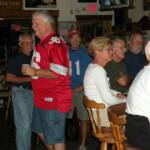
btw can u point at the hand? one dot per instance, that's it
(28, 79)
(77, 90)
(28, 70)
(121, 95)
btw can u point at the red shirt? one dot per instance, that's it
(52, 53)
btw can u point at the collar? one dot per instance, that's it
(46, 39)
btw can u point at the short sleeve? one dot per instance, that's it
(59, 59)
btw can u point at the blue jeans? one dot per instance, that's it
(23, 109)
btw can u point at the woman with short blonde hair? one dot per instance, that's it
(96, 84)
(98, 43)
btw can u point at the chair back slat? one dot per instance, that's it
(98, 120)
(92, 120)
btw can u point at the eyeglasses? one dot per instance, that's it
(120, 47)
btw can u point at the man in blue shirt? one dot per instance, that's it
(79, 59)
(21, 91)
(134, 58)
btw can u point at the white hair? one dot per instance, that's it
(44, 14)
(22, 36)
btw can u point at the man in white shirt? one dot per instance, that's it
(138, 108)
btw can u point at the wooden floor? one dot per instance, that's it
(7, 137)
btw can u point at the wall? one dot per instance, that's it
(70, 8)
(137, 12)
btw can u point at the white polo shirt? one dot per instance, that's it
(138, 100)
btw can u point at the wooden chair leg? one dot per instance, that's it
(103, 146)
(113, 146)
(8, 107)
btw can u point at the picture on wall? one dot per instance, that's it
(146, 4)
(87, 1)
(114, 4)
(39, 4)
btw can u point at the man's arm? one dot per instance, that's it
(123, 80)
(45, 73)
(77, 90)
(13, 78)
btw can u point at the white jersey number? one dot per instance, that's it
(77, 67)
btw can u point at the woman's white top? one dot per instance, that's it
(97, 88)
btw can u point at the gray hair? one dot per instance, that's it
(44, 14)
(24, 35)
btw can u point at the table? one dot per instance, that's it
(118, 109)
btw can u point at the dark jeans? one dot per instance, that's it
(137, 131)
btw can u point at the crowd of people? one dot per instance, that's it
(50, 82)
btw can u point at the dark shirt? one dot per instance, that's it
(134, 63)
(116, 70)
(14, 67)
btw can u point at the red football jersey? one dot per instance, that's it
(52, 53)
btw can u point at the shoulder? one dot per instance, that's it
(146, 71)
(14, 57)
(128, 54)
(97, 70)
(84, 53)
(55, 43)
(56, 40)
(83, 50)
(112, 65)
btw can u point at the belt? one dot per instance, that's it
(24, 87)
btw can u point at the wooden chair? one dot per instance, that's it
(117, 124)
(117, 120)
(103, 134)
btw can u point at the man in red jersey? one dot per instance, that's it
(50, 82)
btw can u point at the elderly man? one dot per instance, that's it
(116, 69)
(21, 92)
(134, 58)
(50, 81)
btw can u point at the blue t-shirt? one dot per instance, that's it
(79, 60)
(134, 63)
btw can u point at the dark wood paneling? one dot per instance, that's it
(14, 9)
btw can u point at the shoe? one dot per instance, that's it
(82, 147)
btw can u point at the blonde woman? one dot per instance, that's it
(96, 84)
